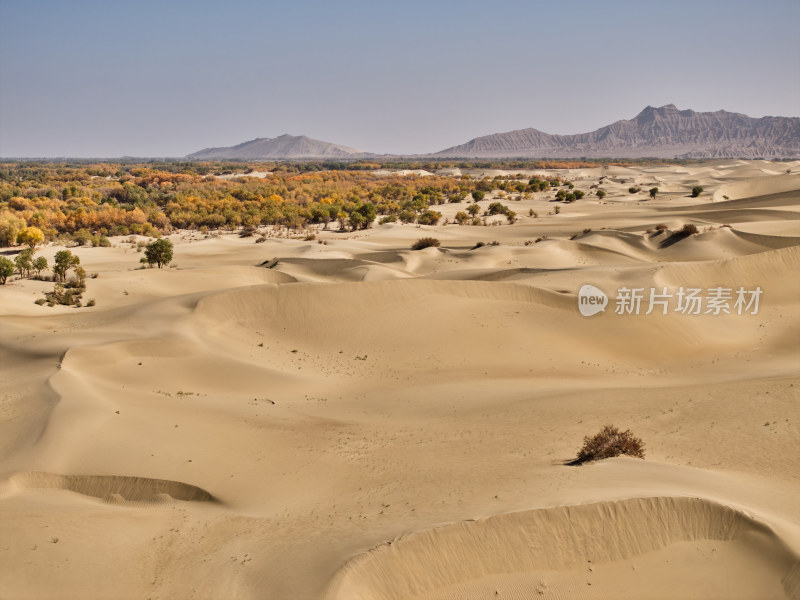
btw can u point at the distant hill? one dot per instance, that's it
(282, 147)
(664, 132)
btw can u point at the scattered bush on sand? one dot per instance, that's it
(608, 443)
(696, 191)
(426, 242)
(687, 230)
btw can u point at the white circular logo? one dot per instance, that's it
(591, 300)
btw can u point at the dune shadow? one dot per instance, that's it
(115, 488)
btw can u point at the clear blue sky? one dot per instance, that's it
(165, 78)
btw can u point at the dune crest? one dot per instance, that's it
(528, 544)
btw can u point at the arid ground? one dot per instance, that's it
(354, 419)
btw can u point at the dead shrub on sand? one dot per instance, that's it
(608, 443)
(426, 242)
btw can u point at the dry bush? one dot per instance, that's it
(426, 242)
(247, 231)
(608, 443)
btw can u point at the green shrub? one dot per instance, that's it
(461, 217)
(696, 191)
(429, 217)
(6, 269)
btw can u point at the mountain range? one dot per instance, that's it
(663, 132)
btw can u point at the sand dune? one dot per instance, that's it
(522, 554)
(350, 418)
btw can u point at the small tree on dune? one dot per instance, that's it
(696, 191)
(6, 269)
(39, 265)
(158, 253)
(65, 260)
(24, 262)
(461, 217)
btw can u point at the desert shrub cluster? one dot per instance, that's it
(425, 242)
(608, 443)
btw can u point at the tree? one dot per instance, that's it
(65, 260)
(158, 252)
(407, 216)
(39, 265)
(461, 217)
(30, 236)
(497, 208)
(24, 262)
(369, 212)
(601, 194)
(478, 195)
(429, 217)
(10, 226)
(696, 191)
(579, 194)
(473, 209)
(653, 192)
(6, 269)
(80, 277)
(356, 220)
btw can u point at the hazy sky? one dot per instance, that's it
(165, 78)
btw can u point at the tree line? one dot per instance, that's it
(89, 202)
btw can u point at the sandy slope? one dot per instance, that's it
(358, 420)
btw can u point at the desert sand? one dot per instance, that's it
(356, 420)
